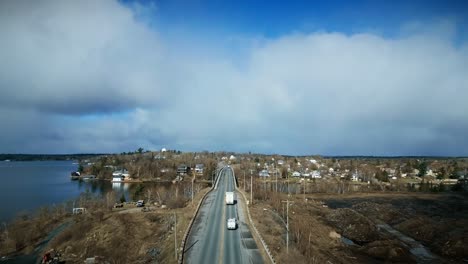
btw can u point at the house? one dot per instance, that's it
(163, 150)
(264, 173)
(159, 157)
(199, 169)
(305, 174)
(121, 173)
(118, 178)
(296, 174)
(280, 162)
(355, 177)
(232, 157)
(183, 169)
(125, 173)
(316, 174)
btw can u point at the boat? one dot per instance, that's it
(88, 177)
(75, 175)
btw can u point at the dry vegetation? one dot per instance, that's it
(151, 166)
(438, 221)
(26, 231)
(117, 235)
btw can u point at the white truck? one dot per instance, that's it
(231, 223)
(229, 197)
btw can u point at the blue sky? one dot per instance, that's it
(290, 77)
(275, 18)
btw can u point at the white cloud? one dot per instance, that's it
(319, 92)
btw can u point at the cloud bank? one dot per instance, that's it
(93, 76)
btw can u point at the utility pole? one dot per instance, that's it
(276, 174)
(305, 184)
(244, 181)
(193, 179)
(251, 188)
(175, 235)
(287, 224)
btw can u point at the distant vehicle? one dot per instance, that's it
(229, 197)
(140, 203)
(79, 210)
(231, 224)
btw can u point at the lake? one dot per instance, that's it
(28, 185)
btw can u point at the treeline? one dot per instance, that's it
(43, 157)
(151, 165)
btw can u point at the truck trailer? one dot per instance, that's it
(229, 197)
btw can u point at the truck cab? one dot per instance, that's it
(231, 224)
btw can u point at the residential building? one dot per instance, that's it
(264, 173)
(183, 169)
(199, 168)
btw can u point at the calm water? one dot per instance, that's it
(26, 186)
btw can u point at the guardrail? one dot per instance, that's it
(265, 246)
(187, 232)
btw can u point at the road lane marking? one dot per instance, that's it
(223, 217)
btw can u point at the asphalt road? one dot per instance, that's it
(210, 241)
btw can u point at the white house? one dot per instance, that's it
(280, 162)
(199, 168)
(305, 174)
(296, 174)
(232, 157)
(355, 177)
(117, 178)
(264, 173)
(316, 174)
(122, 174)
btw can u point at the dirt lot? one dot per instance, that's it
(366, 228)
